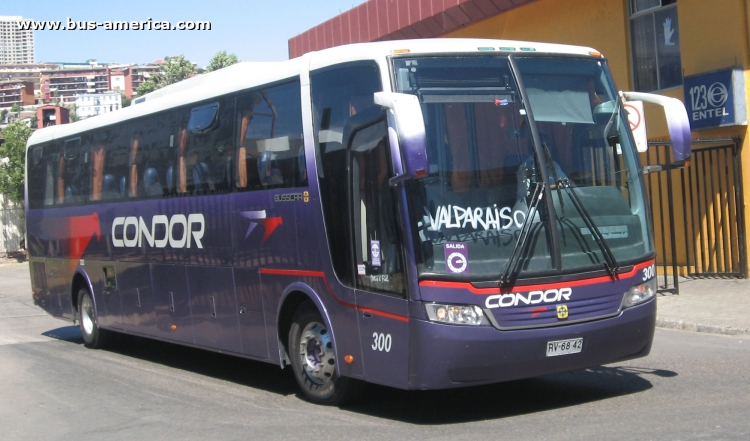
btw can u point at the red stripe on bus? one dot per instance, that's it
(321, 274)
(524, 288)
(299, 273)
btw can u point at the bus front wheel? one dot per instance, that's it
(93, 337)
(314, 360)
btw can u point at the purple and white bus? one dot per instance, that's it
(419, 214)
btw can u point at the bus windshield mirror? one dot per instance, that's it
(614, 138)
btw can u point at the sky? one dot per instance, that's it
(254, 30)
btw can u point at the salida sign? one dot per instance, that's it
(716, 99)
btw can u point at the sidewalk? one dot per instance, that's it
(719, 306)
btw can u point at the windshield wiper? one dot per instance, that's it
(524, 234)
(609, 258)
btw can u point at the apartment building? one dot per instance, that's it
(16, 46)
(27, 72)
(126, 78)
(16, 92)
(61, 86)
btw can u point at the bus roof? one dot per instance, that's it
(247, 75)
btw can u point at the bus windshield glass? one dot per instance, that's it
(467, 214)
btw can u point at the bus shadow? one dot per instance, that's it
(65, 333)
(505, 399)
(451, 406)
(241, 371)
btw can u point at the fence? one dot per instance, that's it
(698, 213)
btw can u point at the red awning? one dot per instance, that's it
(379, 20)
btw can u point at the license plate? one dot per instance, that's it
(564, 347)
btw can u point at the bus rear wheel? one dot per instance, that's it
(93, 337)
(314, 360)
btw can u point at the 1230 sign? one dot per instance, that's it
(716, 99)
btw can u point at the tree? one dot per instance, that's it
(147, 86)
(16, 108)
(12, 154)
(125, 100)
(73, 112)
(221, 60)
(175, 69)
(3, 113)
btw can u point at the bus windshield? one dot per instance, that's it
(492, 144)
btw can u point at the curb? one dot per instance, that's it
(697, 327)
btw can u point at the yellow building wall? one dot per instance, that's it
(600, 24)
(714, 35)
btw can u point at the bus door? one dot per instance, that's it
(380, 277)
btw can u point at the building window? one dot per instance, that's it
(655, 42)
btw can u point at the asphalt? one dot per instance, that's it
(719, 306)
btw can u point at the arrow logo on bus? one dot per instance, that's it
(269, 223)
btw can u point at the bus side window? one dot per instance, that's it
(376, 239)
(155, 157)
(41, 178)
(107, 166)
(73, 171)
(270, 139)
(338, 94)
(209, 157)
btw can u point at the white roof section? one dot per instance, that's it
(234, 78)
(246, 75)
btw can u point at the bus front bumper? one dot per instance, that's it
(448, 356)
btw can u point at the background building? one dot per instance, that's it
(61, 86)
(693, 50)
(27, 72)
(16, 92)
(126, 78)
(90, 104)
(51, 116)
(16, 46)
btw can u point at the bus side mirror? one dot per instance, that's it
(406, 113)
(677, 122)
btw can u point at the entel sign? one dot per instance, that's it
(716, 99)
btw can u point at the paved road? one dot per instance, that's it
(693, 386)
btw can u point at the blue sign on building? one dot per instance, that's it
(716, 99)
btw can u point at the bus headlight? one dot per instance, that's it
(456, 314)
(640, 293)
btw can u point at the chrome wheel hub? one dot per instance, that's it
(87, 315)
(316, 353)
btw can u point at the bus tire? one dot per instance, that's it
(93, 337)
(314, 360)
